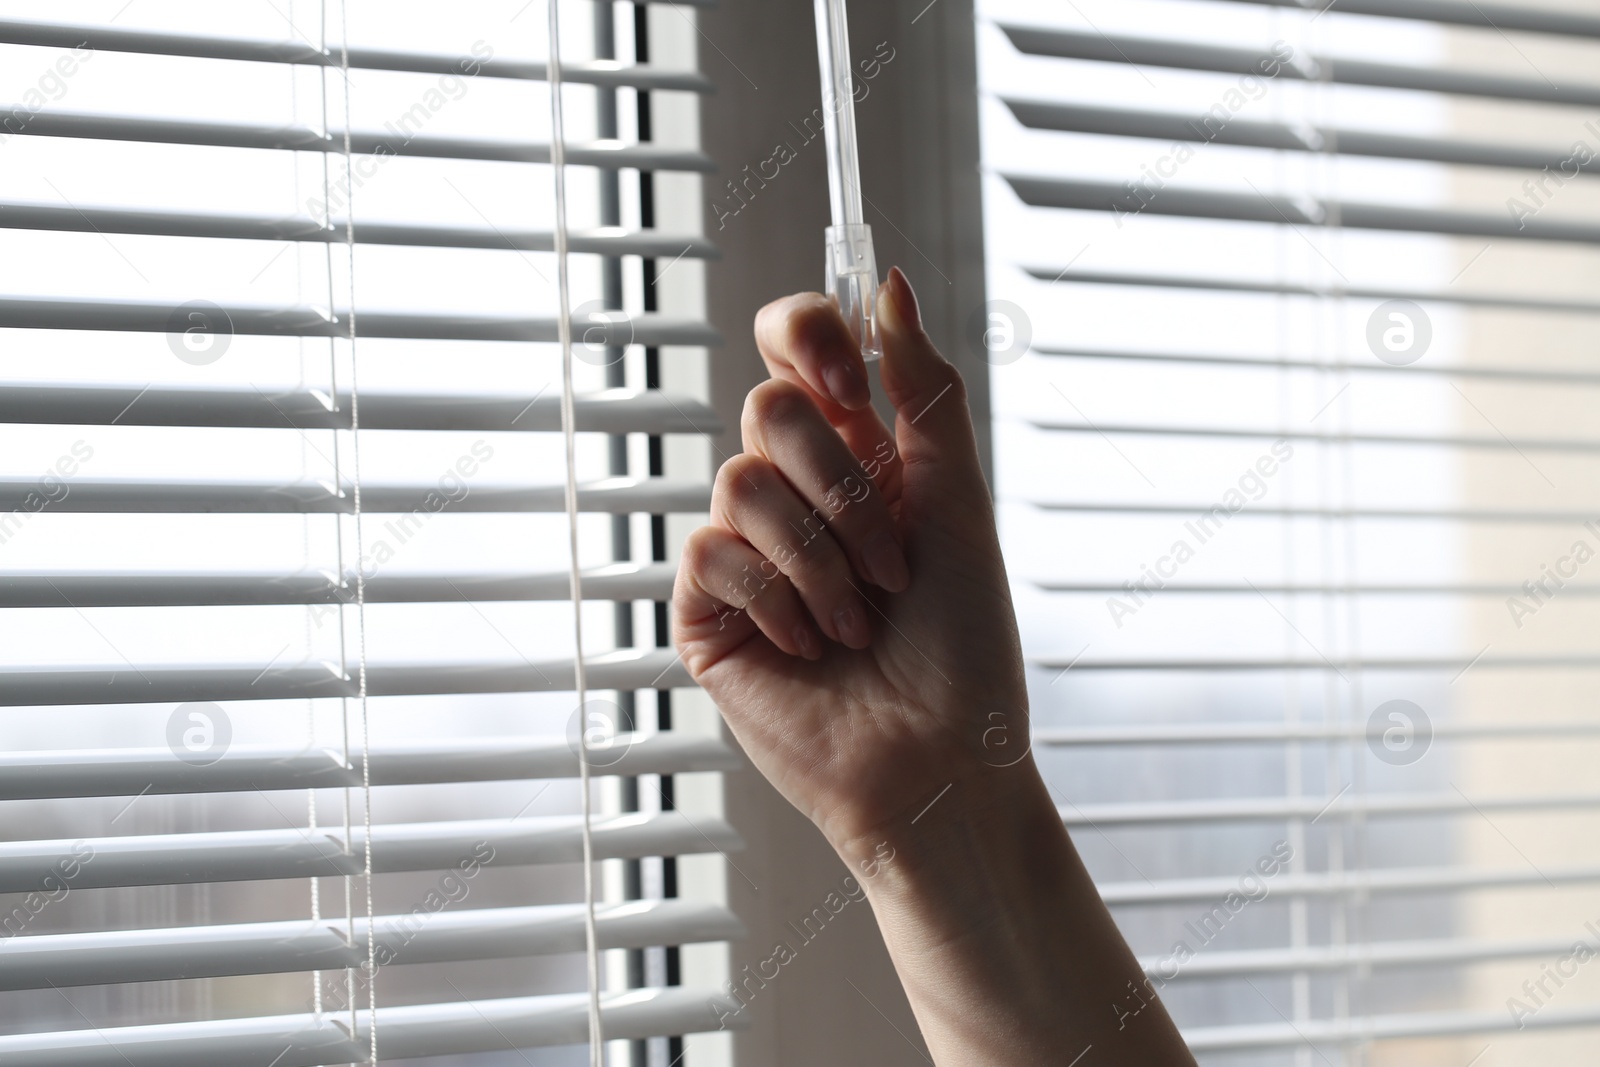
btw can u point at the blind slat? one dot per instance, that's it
(1265, 511)
(72, 313)
(197, 46)
(613, 411)
(140, 772)
(1183, 55)
(609, 241)
(411, 1031)
(262, 855)
(1457, 441)
(1372, 1027)
(1347, 883)
(1294, 211)
(1488, 16)
(655, 668)
(1352, 589)
(44, 961)
(1165, 126)
(1418, 664)
(1242, 432)
(106, 588)
(179, 495)
(1466, 298)
(1434, 953)
(600, 153)
(609, 155)
(1537, 375)
(1282, 809)
(1231, 733)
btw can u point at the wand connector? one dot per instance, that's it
(853, 283)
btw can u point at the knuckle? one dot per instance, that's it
(699, 554)
(770, 316)
(814, 325)
(798, 323)
(840, 499)
(749, 587)
(815, 559)
(739, 479)
(938, 388)
(946, 378)
(774, 400)
(763, 590)
(937, 381)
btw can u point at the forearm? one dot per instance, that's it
(1006, 951)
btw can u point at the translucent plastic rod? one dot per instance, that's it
(852, 270)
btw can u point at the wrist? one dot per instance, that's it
(981, 764)
(952, 850)
(975, 899)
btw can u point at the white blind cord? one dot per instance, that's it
(558, 160)
(305, 526)
(350, 973)
(360, 576)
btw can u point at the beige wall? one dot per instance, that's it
(1545, 840)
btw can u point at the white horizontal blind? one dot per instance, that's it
(227, 230)
(1294, 350)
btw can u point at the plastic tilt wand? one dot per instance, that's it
(852, 269)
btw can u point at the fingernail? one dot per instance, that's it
(903, 302)
(806, 640)
(846, 386)
(886, 564)
(852, 626)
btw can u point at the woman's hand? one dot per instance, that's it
(847, 608)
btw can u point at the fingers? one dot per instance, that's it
(726, 589)
(753, 500)
(805, 333)
(930, 399)
(803, 340)
(798, 520)
(783, 425)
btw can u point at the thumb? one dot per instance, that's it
(933, 426)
